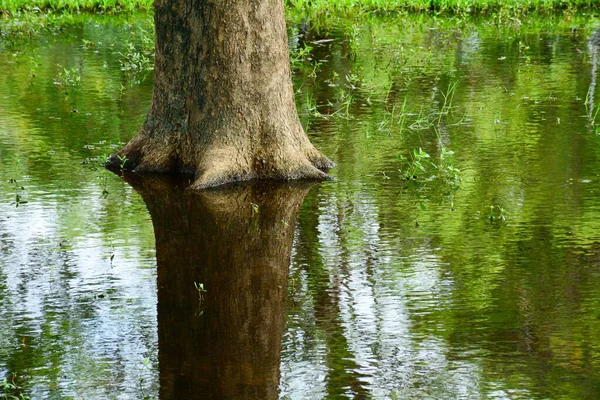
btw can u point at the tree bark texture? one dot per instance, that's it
(224, 343)
(223, 108)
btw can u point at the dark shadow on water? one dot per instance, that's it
(236, 243)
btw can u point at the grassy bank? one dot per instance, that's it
(441, 5)
(14, 6)
(312, 6)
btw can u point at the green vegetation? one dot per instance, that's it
(12, 6)
(509, 244)
(420, 162)
(19, 190)
(123, 160)
(316, 6)
(436, 5)
(9, 390)
(200, 289)
(68, 77)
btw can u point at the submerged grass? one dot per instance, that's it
(317, 6)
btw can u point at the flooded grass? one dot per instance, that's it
(454, 256)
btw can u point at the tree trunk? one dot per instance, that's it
(224, 343)
(223, 108)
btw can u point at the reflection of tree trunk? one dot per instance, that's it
(227, 345)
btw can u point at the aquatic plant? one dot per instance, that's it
(301, 60)
(68, 77)
(448, 97)
(9, 390)
(300, 55)
(497, 213)
(395, 117)
(422, 121)
(33, 66)
(446, 166)
(420, 162)
(523, 52)
(104, 181)
(344, 99)
(136, 62)
(123, 160)
(595, 114)
(18, 188)
(311, 106)
(416, 163)
(200, 289)
(88, 44)
(146, 367)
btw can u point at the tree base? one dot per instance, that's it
(218, 165)
(223, 102)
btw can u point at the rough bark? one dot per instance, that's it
(227, 345)
(223, 107)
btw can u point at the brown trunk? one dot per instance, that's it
(223, 107)
(226, 345)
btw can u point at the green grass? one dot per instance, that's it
(13, 6)
(439, 5)
(320, 6)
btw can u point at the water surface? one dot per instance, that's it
(477, 278)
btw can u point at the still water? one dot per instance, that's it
(478, 277)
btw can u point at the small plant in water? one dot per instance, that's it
(344, 100)
(88, 44)
(254, 208)
(402, 115)
(595, 114)
(523, 49)
(146, 366)
(123, 160)
(19, 189)
(497, 213)
(9, 390)
(422, 122)
(448, 97)
(135, 62)
(446, 166)
(33, 67)
(104, 181)
(420, 161)
(112, 255)
(311, 106)
(200, 289)
(68, 77)
(416, 163)
(299, 56)
(353, 80)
